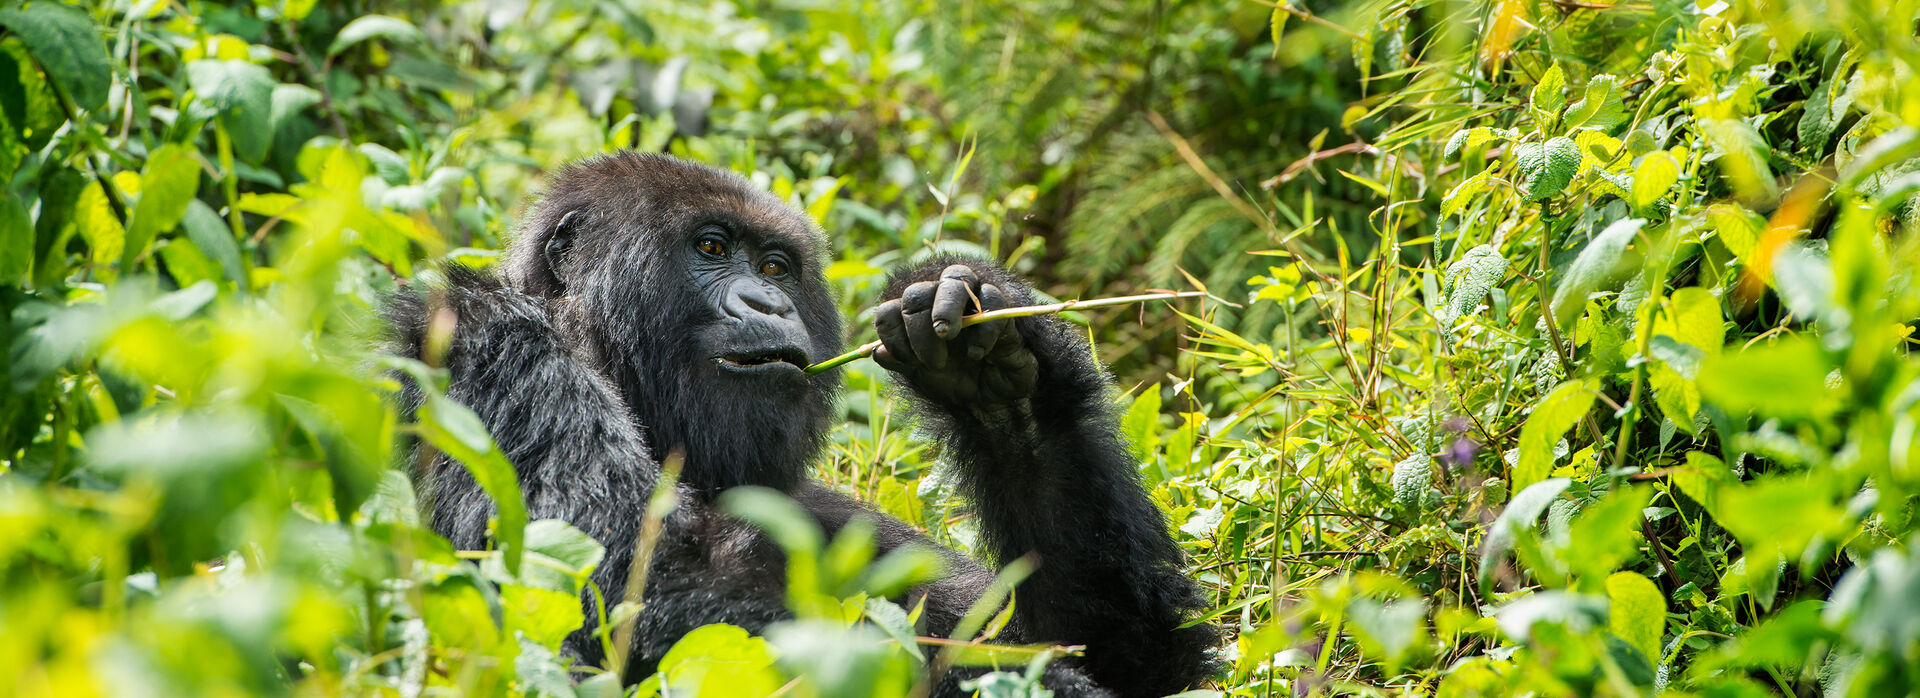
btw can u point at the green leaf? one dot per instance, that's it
(167, 185)
(1463, 193)
(1548, 95)
(1603, 107)
(16, 241)
(1470, 279)
(1778, 516)
(1141, 425)
(1656, 174)
(892, 619)
(456, 430)
(240, 94)
(1549, 421)
(1599, 264)
(65, 42)
(1686, 332)
(1786, 379)
(368, 27)
(1546, 168)
(1743, 158)
(539, 671)
(215, 239)
(1277, 24)
(1637, 612)
(1467, 139)
(720, 659)
(1892, 147)
(1518, 517)
(1736, 227)
(1411, 478)
(1606, 534)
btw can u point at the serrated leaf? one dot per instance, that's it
(1637, 612)
(368, 27)
(1656, 174)
(1463, 193)
(167, 185)
(64, 41)
(1599, 264)
(1470, 279)
(241, 95)
(1603, 107)
(1467, 139)
(1546, 168)
(1736, 227)
(1547, 423)
(1548, 94)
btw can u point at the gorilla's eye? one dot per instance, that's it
(773, 267)
(713, 245)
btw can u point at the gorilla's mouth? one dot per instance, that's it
(775, 359)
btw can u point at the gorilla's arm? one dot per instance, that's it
(1023, 411)
(581, 459)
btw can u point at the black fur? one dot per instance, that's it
(593, 359)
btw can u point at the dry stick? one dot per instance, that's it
(867, 349)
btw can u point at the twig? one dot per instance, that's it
(867, 349)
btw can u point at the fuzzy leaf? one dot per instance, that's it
(1549, 94)
(1603, 107)
(1546, 168)
(1599, 264)
(1470, 279)
(1651, 180)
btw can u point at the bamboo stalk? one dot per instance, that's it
(867, 349)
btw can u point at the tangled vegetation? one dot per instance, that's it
(1569, 348)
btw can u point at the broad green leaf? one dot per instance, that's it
(1651, 180)
(1549, 421)
(16, 241)
(1546, 168)
(456, 430)
(1548, 94)
(64, 41)
(539, 670)
(240, 94)
(1519, 516)
(289, 100)
(1141, 425)
(1467, 139)
(720, 659)
(167, 186)
(1637, 612)
(1599, 264)
(94, 219)
(1470, 279)
(1736, 227)
(543, 615)
(1463, 193)
(208, 232)
(1779, 515)
(1603, 106)
(1786, 379)
(1606, 535)
(892, 619)
(1743, 158)
(1892, 147)
(368, 27)
(1686, 331)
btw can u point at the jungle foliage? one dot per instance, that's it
(1567, 345)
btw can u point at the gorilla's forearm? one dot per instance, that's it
(1050, 475)
(580, 459)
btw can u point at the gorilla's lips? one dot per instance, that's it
(758, 360)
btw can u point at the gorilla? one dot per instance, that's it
(652, 307)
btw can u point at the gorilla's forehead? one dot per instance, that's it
(657, 196)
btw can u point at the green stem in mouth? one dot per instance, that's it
(867, 349)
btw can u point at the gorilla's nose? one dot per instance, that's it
(750, 299)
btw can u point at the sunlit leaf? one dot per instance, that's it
(64, 41)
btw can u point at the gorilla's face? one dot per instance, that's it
(702, 299)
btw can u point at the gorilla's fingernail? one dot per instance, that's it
(940, 327)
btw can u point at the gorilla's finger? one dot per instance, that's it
(885, 358)
(918, 298)
(891, 325)
(928, 347)
(980, 339)
(950, 303)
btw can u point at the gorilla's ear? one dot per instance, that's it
(558, 243)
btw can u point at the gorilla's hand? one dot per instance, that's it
(983, 365)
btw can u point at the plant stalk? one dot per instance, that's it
(867, 349)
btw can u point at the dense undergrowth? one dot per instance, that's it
(1570, 352)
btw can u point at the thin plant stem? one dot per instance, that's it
(867, 349)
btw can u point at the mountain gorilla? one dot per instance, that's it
(652, 307)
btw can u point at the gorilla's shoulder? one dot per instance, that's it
(477, 298)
